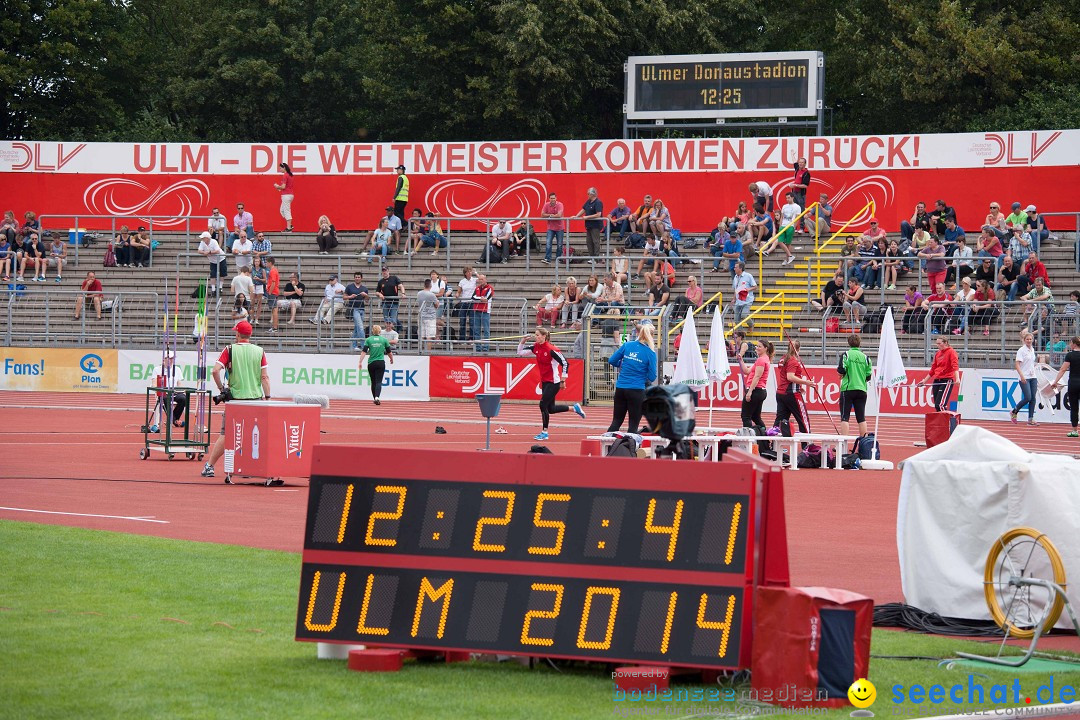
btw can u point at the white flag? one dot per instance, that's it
(718, 367)
(890, 366)
(689, 367)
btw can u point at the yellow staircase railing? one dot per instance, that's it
(797, 284)
(787, 301)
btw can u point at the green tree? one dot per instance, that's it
(66, 68)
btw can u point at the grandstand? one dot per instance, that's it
(42, 313)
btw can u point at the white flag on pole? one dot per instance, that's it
(689, 366)
(890, 365)
(718, 367)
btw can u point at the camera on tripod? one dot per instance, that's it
(224, 396)
(669, 410)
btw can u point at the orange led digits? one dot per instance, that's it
(362, 627)
(316, 627)
(589, 644)
(443, 593)
(712, 625)
(344, 514)
(369, 538)
(672, 530)
(733, 533)
(540, 500)
(552, 613)
(668, 620)
(504, 520)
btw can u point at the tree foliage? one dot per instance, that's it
(325, 70)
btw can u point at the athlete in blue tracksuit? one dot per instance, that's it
(636, 361)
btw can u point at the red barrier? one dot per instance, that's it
(514, 378)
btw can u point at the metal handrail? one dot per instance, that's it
(149, 219)
(718, 297)
(812, 206)
(767, 303)
(114, 335)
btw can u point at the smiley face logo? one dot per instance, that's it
(862, 693)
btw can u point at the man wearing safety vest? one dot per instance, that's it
(401, 193)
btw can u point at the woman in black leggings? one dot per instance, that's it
(553, 369)
(1072, 393)
(790, 374)
(757, 376)
(376, 347)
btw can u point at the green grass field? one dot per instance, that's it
(106, 625)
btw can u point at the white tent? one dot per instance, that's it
(958, 497)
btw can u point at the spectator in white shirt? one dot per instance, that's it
(219, 267)
(333, 300)
(243, 283)
(243, 250)
(216, 224)
(761, 192)
(501, 240)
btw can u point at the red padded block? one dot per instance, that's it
(940, 426)
(455, 656)
(592, 447)
(377, 660)
(641, 677)
(810, 644)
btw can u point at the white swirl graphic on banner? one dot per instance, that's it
(459, 198)
(115, 196)
(878, 188)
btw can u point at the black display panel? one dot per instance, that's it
(625, 621)
(731, 85)
(529, 523)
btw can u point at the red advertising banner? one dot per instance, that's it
(905, 400)
(699, 180)
(514, 378)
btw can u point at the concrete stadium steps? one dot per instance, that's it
(511, 280)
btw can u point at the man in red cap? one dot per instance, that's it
(245, 364)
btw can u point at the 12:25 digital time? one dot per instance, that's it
(725, 96)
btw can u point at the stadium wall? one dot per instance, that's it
(699, 179)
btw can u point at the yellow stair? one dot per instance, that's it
(774, 320)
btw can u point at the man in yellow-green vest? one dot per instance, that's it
(249, 379)
(401, 193)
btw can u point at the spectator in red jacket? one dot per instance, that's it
(944, 373)
(1033, 268)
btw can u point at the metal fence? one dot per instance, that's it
(604, 329)
(983, 333)
(140, 319)
(47, 318)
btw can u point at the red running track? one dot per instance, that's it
(77, 456)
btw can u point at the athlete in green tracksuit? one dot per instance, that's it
(854, 369)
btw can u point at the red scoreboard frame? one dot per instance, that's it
(607, 559)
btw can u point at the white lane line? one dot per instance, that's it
(143, 518)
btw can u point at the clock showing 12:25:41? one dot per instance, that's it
(560, 556)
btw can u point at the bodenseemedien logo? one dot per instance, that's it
(862, 695)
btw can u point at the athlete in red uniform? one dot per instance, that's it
(944, 373)
(553, 370)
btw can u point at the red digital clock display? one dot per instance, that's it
(609, 559)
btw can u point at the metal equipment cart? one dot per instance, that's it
(159, 433)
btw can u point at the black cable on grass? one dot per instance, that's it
(912, 618)
(905, 657)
